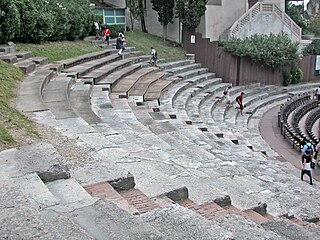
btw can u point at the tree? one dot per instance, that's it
(190, 12)
(314, 25)
(137, 8)
(296, 14)
(9, 20)
(165, 13)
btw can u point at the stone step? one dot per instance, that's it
(156, 89)
(86, 67)
(292, 231)
(70, 194)
(119, 74)
(183, 68)
(9, 58)
(36, 191)
(99, 73)
(164, 66)
(39, 61)
(105, 191)
(27, 66)
(123, 86)
(140, 87)
(29, 98)
(139, 200)
(68, 63)
(10, 48)
(191, 73)
(56, 97)
(176, 222)
(79, 99)
(244, 228)
(104, 220)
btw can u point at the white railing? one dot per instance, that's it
(256, 10)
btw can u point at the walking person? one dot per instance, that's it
(316, 151)
(97, 29)
(227, 95)
(106, 35)
(306, 165)
(308, 146)
(239, 100)
(154, 57)
(317, 93)
(120, 43)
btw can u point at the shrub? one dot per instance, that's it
(36, 21)
(272, 51)
(313, 48)
(286, 78)
(292, 77)
(115, 29)
(9, 20)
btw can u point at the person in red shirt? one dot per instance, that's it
(239, 101)
(106, 34)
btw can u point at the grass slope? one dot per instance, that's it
(166, 50)
(14, 127)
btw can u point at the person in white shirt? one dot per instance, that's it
(306, 165)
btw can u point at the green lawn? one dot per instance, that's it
(56, 51)
(166, 50)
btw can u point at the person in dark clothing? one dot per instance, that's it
(306, 165)
(120, 43)
(239, 101)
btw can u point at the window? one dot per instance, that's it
(114, 16)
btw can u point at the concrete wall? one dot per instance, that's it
(218, 18)
(154, 27)
(270, 23)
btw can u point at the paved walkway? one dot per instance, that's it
(271, 133)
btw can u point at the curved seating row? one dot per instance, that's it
(310, 121)
(166, 146)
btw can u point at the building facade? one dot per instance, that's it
(222, 16)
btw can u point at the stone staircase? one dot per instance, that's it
(159, 164)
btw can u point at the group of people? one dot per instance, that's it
(106, 35)
(105, 32)
(239, 99)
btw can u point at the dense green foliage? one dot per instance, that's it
(9, 20)
(313, 48)
(293, 76)
(164, 8)
(314, 25)
(295, 12)
(38, 20)
(136, 9)
(115, 29)
(272, 51)
(190, 12)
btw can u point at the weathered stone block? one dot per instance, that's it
(223, 201)
(261, 208)
(55, 172)
(179, 194)
(123, 184)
